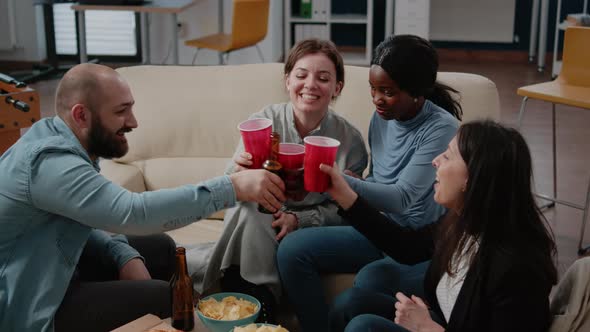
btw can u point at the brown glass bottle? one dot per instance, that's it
(181, 287)
(272, 164)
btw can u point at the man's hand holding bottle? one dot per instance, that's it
(259, 186)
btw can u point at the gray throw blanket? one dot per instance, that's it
(570, 302)
(248, 240)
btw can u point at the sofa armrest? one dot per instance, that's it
(125, 175)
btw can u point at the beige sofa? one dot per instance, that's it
(188, 119)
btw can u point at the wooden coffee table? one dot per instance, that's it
(199, 327)
(151, 322)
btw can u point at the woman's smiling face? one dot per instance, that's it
(312, 83)
(451, 177)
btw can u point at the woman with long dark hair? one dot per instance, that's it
(492, 256)
(415, 118)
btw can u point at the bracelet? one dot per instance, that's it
(292, 213)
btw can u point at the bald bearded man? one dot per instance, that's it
(54, 202)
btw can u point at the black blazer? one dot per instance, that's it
(504, 292)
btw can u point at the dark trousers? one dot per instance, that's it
(97, 301)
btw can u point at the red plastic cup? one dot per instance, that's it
(256, 138)
(318, 150)
(291, 158)
(291, 155)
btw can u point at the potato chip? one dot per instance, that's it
(229, 308)
(266, 329)
(247, 328)
(233, 314)
(263, 328)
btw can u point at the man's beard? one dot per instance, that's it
(102, 143)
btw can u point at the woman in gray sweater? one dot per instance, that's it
(245, 255)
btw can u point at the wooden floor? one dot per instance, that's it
(573, 143)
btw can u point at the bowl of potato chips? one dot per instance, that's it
(221, 312)
(259, 328)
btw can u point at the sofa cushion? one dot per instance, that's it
(162, 173)
(125, 175)
(478, 95)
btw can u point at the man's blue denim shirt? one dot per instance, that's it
(52, 200)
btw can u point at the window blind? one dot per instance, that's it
(107, 32)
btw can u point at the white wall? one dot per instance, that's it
(200, 19)
(30, 34)
(472, 20)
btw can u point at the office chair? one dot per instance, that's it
(571, 88)
(249, 26)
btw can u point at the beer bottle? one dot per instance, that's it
(272, 164)
(181, 287)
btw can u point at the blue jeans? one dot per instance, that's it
(372, 323)
(303, 256)
(374, 293)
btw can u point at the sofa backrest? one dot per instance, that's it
(194, 111)
(186, 111)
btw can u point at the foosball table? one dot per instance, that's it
(19, 108)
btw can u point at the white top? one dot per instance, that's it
(448, 287)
